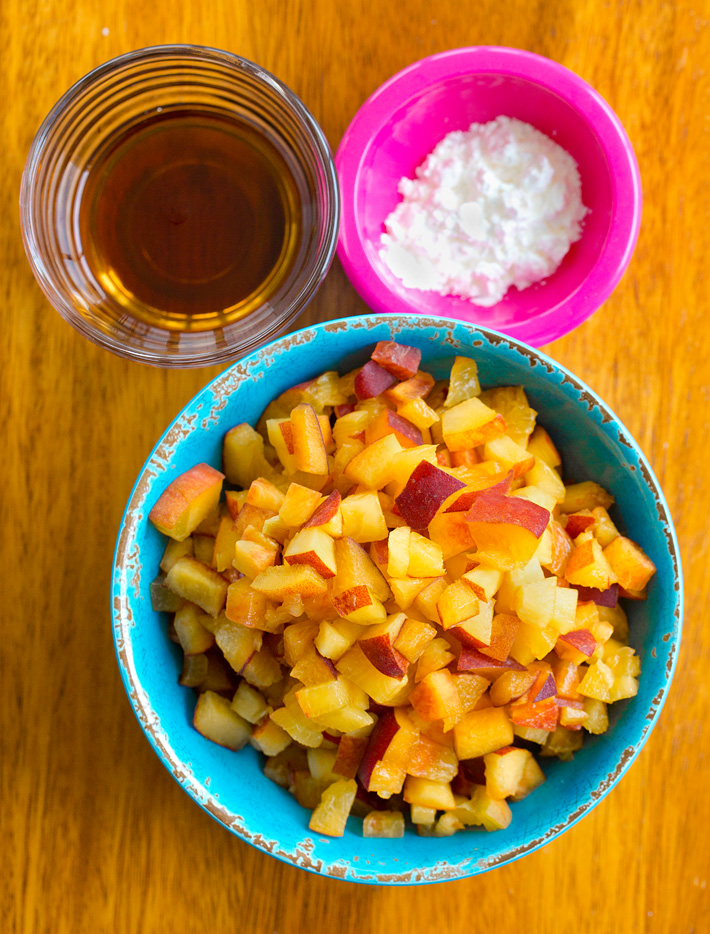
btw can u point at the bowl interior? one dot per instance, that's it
(401, 124)
(231, 786)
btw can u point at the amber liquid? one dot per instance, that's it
(189, 221)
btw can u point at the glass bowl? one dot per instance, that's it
(81, 130)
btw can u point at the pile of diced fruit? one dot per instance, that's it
(397, 599)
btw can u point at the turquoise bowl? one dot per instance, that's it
(231, 786)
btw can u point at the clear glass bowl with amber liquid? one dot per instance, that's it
(179, 206)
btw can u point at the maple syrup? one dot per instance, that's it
(189, 220)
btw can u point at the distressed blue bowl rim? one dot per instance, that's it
(312, 853)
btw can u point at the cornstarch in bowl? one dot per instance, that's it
(496, 206)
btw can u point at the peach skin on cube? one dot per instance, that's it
(187, 501)
(378, 644)
(314, 548)
(355, 567)
(400, 360)
(392, 424)
(425, 491)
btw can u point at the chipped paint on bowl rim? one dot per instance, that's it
(260, 812)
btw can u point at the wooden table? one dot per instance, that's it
(96, 836)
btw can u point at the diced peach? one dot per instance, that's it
(588, 565)
(175, 550)
(416, 387)
(400, 360)
(327, 516)
(463, 382)
(254, 553)
(469, 424)
(355, 567)
(435, 696)
(299, 505)
(451, 531)
(405, 591)
(372, 380)
(428, 597)
(186, 501)
(359, 605)
(193, 637)
(587, 495)
(385, 824)
(457, 603)
(363, 520)
(511, 456)
(398, 552)
(237, 642)
(546, 479)
(198, 583)
(309, 450)
(355, 665)
(503, 629)
(540, 444)
(313, 668)
(425, 491)
(314, 548)
(418, 413)
(436, 655)
(531, 779)
(269, 738)
(243, 456)
(278, 582)
(194, 671)
(425, 557)
(604, 529)
(427, 793)
(504, 771)
(331, 814)
(510, 686)
(630, 565)
(215, 720)
(382, 768)
(506, 529)
(578, 522)
(378, 645)
(391, 424)
(413, 638)
(372, 467)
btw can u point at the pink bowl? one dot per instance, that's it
(405, 118)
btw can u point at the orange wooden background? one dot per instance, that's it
(96, 836)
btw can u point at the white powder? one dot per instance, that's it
(495, 206)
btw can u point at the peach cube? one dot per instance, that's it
(187, 501)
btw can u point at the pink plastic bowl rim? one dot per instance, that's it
(376, 113)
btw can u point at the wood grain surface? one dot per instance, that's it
(96, 836)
